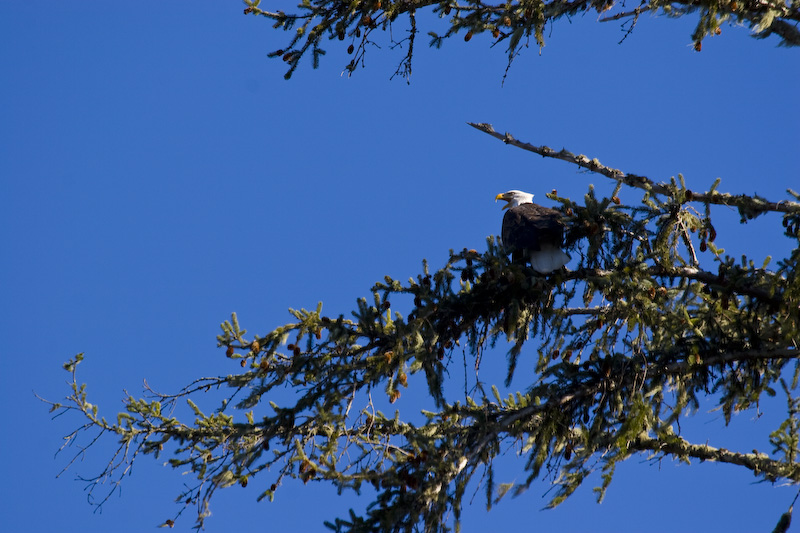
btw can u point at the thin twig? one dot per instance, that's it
(633, 13)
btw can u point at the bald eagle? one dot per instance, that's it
(532, 232)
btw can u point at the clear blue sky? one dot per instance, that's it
(157, 173)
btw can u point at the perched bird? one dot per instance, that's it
(532, 232)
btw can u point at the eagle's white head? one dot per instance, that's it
(514, 198)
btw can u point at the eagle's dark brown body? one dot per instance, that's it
(535, 233)
(529, 226)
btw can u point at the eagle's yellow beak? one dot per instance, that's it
(502, 196)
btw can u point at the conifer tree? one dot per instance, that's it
(651, 319)
(356, 26)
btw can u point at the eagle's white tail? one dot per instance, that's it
(548, 259)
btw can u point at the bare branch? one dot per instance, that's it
(759, 463)
(625, 14)
(637, 181)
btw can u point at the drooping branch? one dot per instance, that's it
(515, 24)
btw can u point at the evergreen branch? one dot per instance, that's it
(777, 15)
(788, 32)
(765, 355)
(651, 336)
(678, 272)
(512, 23)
